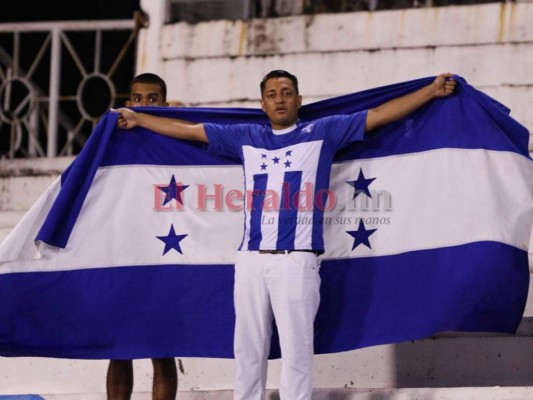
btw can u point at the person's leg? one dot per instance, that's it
(119, 381)
(295, 294)
(165, 386)
(253, 326)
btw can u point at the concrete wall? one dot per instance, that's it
(220, 63)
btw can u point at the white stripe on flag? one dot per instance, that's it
(432, 199)
(438, 198)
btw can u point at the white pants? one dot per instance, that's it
(285, 287)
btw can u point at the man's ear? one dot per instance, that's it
(262, 105)
(299, 101)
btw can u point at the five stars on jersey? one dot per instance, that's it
(277, 159)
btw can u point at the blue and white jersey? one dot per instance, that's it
(286, 177)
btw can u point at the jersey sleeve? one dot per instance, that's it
(345, 129)
(226, 140)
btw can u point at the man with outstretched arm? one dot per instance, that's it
(276, 267)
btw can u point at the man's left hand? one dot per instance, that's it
(444, 85)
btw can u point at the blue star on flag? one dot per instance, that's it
(276, 160)
(361, 235)
(361, 185)
(288, 153)
(287, 164)
(172, 241)
(173, 191)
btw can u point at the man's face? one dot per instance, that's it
(280, 102)
(146, 95)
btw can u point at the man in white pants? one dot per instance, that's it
(276, 268)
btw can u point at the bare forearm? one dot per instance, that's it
(399, 107)
(175, 128)
(172, 127)
(442, 86)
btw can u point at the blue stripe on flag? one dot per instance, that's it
(476, 287)
(366, 301)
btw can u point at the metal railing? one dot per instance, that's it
(57, 79)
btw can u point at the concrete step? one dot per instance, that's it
(34, 166)
(21, 192)
(440, 362)
(22, 181)
(462, 393)
(8, 219)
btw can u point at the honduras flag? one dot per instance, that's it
(129, 254)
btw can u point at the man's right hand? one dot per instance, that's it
(126, 118)
(173, 127)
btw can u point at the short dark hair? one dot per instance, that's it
(279, 73)
(150, 78)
